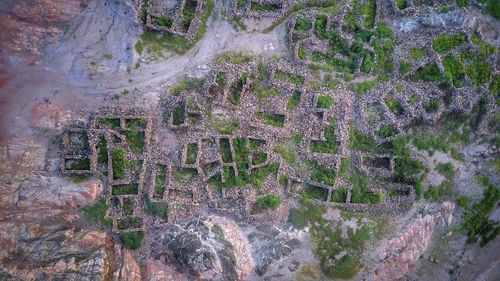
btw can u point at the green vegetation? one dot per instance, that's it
(265, 7)
(405, 67)
(446, 169)
(369, 11)
(164, 21)
(113, 123)
(455, 130)
(479, 73)
(125, 189)
(437, 193)
(325, 101)
(301, 53)
(236, 90)
(320, 26)
(161, 178)
(128, 207)
(179, 114)
(386, 131)
(445, 43)
(192, 153)
(330, 145)
(188, 14)
(432, 105)
(275, 120)
(97, 213)
(157, 42)
(360, 142)
(225, 150)
(127, 223)
(139, 47)
(269, 201)
(186, 85)
(454, 71)
(288, 153)
(417, 53)
(477, 224)
(365, 86)
(235, 58)
(157, 209)
(284, 180)
(493, 8)
(302, 24)
(135, 124)
(394, 106)
(401, 4)
(184, 174)
(223, 125)
(339, 195)
(294, 101)
(339, 256)
(360, 191)
(288, 77)
(315, 192)
(427, 73)
(135, 140)
(320, 173)
(78, 164)
(132, 240)
(495, 86)
(120, 163)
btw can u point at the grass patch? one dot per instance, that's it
(330, 145)
(161, 179)
(325, 101)
(289, 78)
(125, 189)
(225, 151)
(186, 85)
(265, 7)
(113, 123)
(369, 11)
(269, 201)
(97, 213)
(427, 73)
(179, 114)
(135, 140)
(302, 24)
(238, 58)
(78, 164)
(236, 89)
(192, 153)
(445, 43)
(135, 124)
(128, 207)
(102, 151)
(320, 173)
(120, 162)
(339, 195)
(476, 217)
(184, 174)
(127, 223)
(294, 101)
(157, 209)
(454, 71)
(417, 53)
(132, 240)
(271, 119)
(386, 131)
(479, 73)
(223, 125)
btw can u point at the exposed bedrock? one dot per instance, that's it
(27, 25)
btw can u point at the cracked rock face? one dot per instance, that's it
(28, 25)
(209, 249)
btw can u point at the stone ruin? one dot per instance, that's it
(229, 133)
(182, 17)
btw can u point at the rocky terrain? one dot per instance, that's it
(65, 64)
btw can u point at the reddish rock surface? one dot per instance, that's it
(27, 25)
